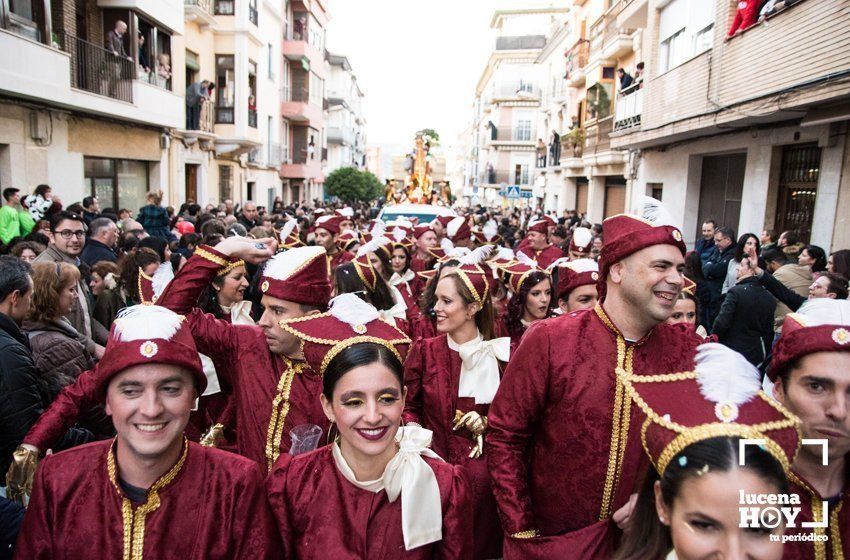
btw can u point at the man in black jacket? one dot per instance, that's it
(100, 245)
(745, 321)
(715, 268)
(20, 400)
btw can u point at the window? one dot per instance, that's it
(271, 60)
(317, 89)
(25, 18)
(154, 54)
(225, 182)
(119, 183)
(252, 94)
(225, 89)
(284, 142)
(522, 174)
(252, 11)
(523, 130)
(224, 7)
(685, 30)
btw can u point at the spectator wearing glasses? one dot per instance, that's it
(67, 237)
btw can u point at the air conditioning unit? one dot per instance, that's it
(39, 126)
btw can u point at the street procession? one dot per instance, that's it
(577, 290)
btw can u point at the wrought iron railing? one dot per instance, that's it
(252, 14)
(202, 4)
(224, 115)
(252, 118)
(99, 70)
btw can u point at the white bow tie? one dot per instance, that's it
(479, 370)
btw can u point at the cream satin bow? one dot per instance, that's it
(409, 476)
(240, 313)
(396, 279)
(479, 370)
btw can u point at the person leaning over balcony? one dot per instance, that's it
(625, 79)
(195, 94)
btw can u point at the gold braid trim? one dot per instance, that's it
(287, 325)
(280, 409)
(617, 438)
(139, 287)
(230, 267)
(134, 521)
(343, 344)
(362, 276)
(835, 533)
(530, 534)
(817, 507)
(203, 253)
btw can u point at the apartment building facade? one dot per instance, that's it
(85, 112)
(345, 124)
(302, 100)
(499, 151)
(750, 131)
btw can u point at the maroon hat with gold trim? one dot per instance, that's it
(420, 229)
(722, 397)
(820, 325)
(149, 334)
(517, 271)
(288, 235)
(572, 274)
(444, 220)
(581, 241)
(349, 321)
(363, 265)
(626, 234)
(458, 229)
(347, 239)
(689, 286)
(541, 225)
(299, 275)
(473, 274)
(331, 222)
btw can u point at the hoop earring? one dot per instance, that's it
(331, 427)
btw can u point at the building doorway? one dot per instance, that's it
(798, 188)
(581, 195)
(615, 195)
(191, 182)
(721, 186)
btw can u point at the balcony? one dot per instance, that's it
(85, 78)
(199, 11)
(628, 108)
(517, 91)
(252, 118)
(297, 108)
(493, 177)
(340, 135)
(302, 45)
(520, 42)
(577, 57)
(507, 136)
(596, 136)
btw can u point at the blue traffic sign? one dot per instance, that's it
(514, 191)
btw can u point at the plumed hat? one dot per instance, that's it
(572, 274)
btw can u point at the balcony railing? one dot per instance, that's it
(252, 14)
(205, 5)
(596, 137)
(225, 7)
(340, 135)
(508, 134)
(301, 95)
(494, 177)
(517, 90)
(274, 154)
(628, 108)
(207, 121)
(99, 70)
(256, 155)
(577, 57)
(252, 118)
(520, 42)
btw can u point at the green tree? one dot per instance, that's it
(435, 138)
(346, 183)
(372, 187)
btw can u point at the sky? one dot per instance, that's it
(417, 62)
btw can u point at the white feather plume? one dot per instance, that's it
(490, 230)
(162, 277)
(824, 311)
(288, 228)
(656, 213)
(379, 228)
(477, 256)
(447, 245)
(526, 260)
(373, 245)
(455, 225)
(399, 234)
(725, 375)
(558, 262)
(348, 212)
(581, 265)
(582, 237)
(504, 253)
(458, 252)
(283, 264)
(144, 322)
(350, 309)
